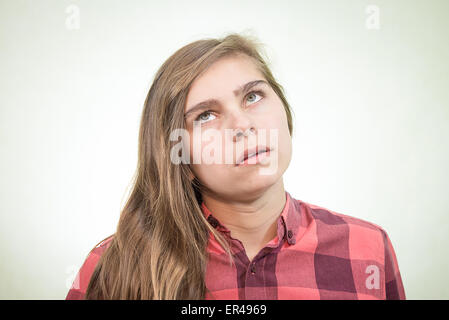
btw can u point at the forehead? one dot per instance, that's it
(222, 78)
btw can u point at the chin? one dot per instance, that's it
(259, 181)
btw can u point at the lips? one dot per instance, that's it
(251, 152)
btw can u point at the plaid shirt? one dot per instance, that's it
(317, 254)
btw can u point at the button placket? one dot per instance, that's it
(253, 268)
(291, 239)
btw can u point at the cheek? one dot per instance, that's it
(203, 153)
(276, 124)
(271, 114)
(206, 145)
(284, 134)
(285, 145)
(279, 124)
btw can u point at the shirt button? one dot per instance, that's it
(290, 233)
(253, 268)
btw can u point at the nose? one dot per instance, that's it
(241, 133)
(242, 124)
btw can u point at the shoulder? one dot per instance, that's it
(356, 237)
(331, 217)
(95, 254)
(356, 245)
(81, 282)
(102, 245)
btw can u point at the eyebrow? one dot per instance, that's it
(210, 102)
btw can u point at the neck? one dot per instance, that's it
(253, 222)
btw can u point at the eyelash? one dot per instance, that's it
(259, 92)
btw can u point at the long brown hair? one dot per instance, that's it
(159, 250)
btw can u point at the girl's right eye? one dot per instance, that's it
(203, 117)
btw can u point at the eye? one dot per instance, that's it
(252, 96)
(204, 117)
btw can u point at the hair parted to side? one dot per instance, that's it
(159, 250)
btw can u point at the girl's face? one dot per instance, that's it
(229, 107)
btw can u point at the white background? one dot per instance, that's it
(371, 121)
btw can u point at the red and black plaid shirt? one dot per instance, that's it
(317, 254)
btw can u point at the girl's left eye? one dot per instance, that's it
(204, 117)
(253, 95)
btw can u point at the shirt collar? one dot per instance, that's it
(289, 219)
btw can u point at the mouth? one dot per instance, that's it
(252, 152)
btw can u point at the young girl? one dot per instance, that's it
(196, 229)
